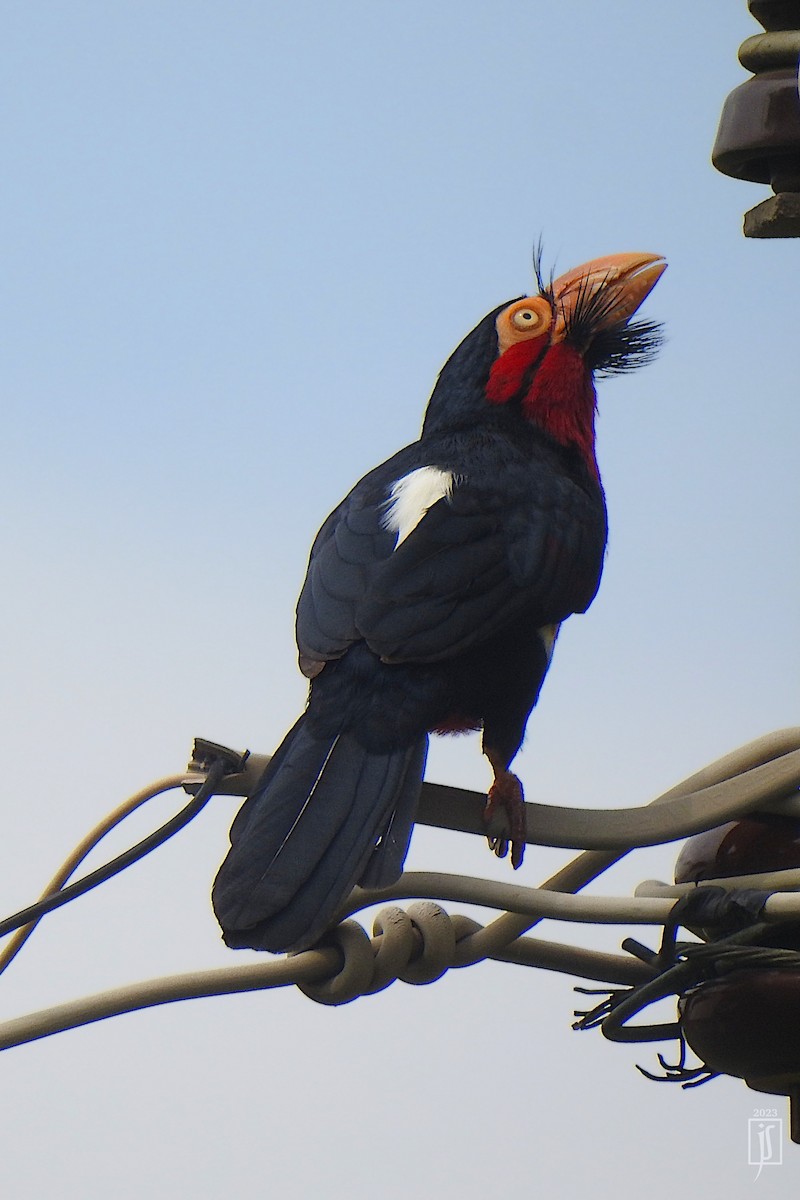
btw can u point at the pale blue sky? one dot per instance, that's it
(239, 242)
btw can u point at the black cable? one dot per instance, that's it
(33, 912)
(686, 966)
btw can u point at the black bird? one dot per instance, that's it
(433, 600)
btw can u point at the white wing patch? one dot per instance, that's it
(548, 634)
(412, 496)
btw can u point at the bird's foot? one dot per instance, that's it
(506, 796)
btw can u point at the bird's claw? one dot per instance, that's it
(506, 796)
(499, 845)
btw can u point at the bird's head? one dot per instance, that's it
(536, 356)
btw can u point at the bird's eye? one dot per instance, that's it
(526, 319)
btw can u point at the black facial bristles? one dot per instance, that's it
(591, 310)
(624, 348)
(610, 348)
(613, 350)
(544, 285)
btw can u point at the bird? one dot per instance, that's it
(434, 595)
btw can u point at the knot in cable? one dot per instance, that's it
(417, 946)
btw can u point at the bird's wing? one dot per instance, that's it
(423, 570)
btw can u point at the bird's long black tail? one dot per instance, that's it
(327, 814)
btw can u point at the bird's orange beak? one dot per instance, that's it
(625, 280)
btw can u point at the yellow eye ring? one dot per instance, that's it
(527, 318)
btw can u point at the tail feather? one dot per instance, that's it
(385, 864)
(327, 814)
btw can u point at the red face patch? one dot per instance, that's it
(562, 400)
(507, 375)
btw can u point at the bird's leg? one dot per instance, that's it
(505, 795)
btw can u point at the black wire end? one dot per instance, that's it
(206, 753)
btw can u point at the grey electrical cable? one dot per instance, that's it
(54, 900)
(760, 775)
(84, 848)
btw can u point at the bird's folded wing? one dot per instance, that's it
(474, 561)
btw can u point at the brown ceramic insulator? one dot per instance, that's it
(776, 14)
(746, 1025)
(744, 847)
(759, 130)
